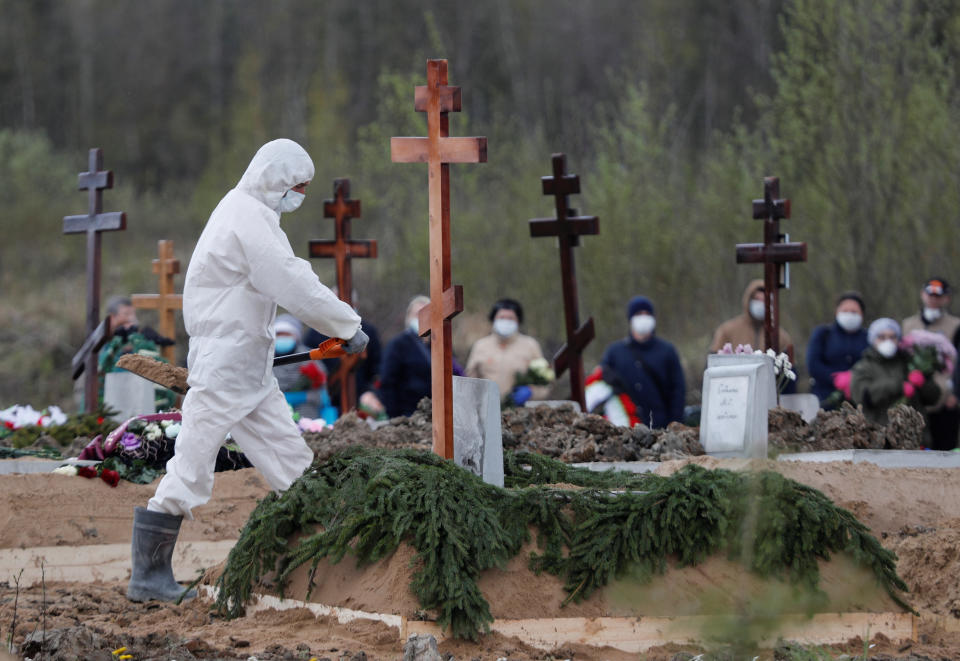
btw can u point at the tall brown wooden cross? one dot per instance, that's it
(773, 253)
(92, 223)
(438, 150)
(341, 208)
(165, 266)
(568, 227)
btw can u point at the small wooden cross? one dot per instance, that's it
(94, 181)
(165, 266)
(438, 150)
(568, 227)
(341, 208)
(773, 253)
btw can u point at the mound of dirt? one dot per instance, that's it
(561, 433)
(846, 428)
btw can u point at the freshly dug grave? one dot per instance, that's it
(370, 503)
(46, 510)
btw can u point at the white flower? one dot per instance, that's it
(152, 432)
(791, 375)
(66, 470)
(772, 353)
(171, 431)
(166, 423)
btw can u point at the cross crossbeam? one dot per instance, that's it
(343, 249)
(95, 180)
(568, 228)
(773, 253)
(438, 150)
(165, 267)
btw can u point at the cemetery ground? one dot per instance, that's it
(81, 603)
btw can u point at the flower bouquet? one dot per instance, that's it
(930, 354)
(538, 373)
(782, 367)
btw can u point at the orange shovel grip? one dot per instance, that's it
(331, 348)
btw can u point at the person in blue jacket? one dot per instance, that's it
(646, 368)
(836, 347)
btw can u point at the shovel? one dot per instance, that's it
(175, 378)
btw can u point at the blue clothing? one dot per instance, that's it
(831, 350)
(650, 374)
(404, 374)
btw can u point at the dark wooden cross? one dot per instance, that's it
(773, 253)
(438, 150)
(568, 227)
(165, 266)
(341, 208)
(94, 181)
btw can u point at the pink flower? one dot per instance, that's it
(841, 381)
(727, 349)
(743, 349)
(917, 378)
(946, 352)
(909, 390)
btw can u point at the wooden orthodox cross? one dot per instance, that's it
(438, 150)
(165, 266)
(94, 181)
(341, 208)
(772, 253)
(568, 227)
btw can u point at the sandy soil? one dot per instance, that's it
(912, 511)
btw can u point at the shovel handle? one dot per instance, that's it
(331, 348)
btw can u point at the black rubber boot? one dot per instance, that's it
(154, 536)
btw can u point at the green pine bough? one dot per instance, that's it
(365, 502)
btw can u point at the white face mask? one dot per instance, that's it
(505, 327)
(849, 321)
(887, 348)
(290, 201)
(932, 314)
(757, 309)
(642, 324)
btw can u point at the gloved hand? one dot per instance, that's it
(357, 343)
(521, 394)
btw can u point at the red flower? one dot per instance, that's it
(312, 372)
(110, 477)
(87, 471)
(8, 424)
(100, 420)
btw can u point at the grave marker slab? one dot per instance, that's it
(477, 431)
(738, 392)
(128, 394)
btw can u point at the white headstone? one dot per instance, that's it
(477, 434)
(128, 394)
(738, 392)
(804, 403)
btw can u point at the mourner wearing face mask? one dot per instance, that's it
(881, 378)
(838, 346)
(943, 415)
(506, 351)
(646, 368)
(747, 327)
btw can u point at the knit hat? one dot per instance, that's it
(639, 304)
(936, 287)
(880, 325)
(852, 296)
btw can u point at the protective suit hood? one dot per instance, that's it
(277, 167)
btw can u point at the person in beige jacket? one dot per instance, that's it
(943, 417)
(747, 327)
(505, 352)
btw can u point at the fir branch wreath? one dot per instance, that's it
(365, 502)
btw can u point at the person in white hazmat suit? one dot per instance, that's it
(241, 268)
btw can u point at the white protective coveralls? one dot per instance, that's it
(241, 268)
